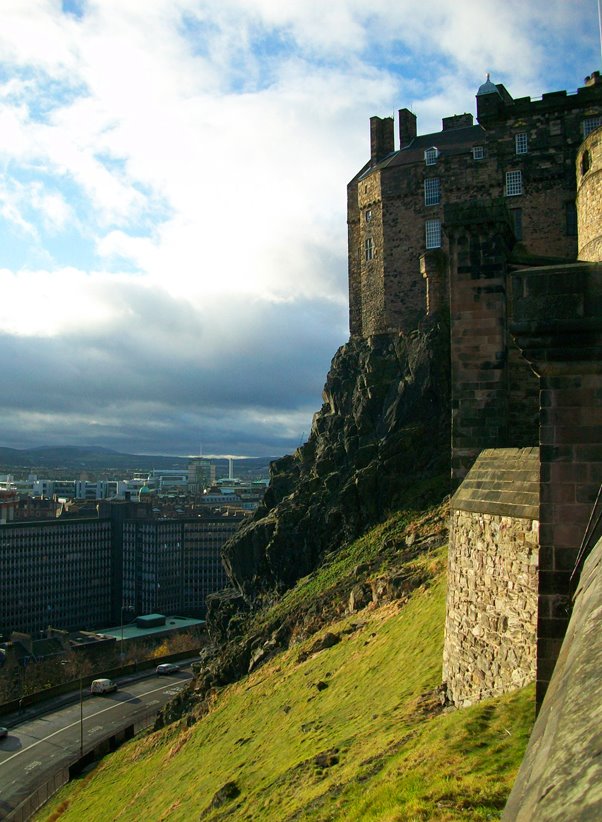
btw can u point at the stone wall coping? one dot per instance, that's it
(503, 482)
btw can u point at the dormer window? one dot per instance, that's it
(431, 155)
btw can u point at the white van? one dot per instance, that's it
(103, 686)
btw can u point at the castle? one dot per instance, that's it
(494, 229)
(521, 152)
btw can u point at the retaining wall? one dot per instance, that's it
(491, 613)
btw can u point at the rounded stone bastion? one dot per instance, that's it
(589, 197)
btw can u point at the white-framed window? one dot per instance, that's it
(478, 153)
(432, 230)
(430, 156)
(368, 249)
(591, 124)
(368, 215)
(521, 143)
(432, 191)
(514, 183)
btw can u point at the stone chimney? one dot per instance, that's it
(457, 121)
(407, 127)
(382, 139)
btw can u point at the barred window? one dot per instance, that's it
(432, 191)
(517, 220)
(433, 233)
(514, 183)
(430, 156)
(591, 124)
(368, 249)
(521, 145)
(571, 219)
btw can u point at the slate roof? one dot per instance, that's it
(450, 141)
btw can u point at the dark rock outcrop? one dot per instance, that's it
(383, 426)
(225, 794)
(225, 611)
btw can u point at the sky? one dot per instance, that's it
(173, 270)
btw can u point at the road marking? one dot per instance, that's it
(94, 729)
(35, 764)
(75, 724)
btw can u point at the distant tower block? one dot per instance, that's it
(230, 468)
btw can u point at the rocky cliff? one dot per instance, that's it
(383, 426)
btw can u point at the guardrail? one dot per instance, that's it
(72, 685)
(26, 809)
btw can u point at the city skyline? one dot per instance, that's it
(173, 265)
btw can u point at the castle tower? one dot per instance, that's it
(589, 197)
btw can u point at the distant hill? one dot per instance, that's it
(81, 457)
(95, 458)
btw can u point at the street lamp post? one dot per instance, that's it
(81, 717)
(123, 608)
(121, 644)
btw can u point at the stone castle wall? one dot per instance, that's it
(557, 323)
(491, 615)
(589, 197)
(517, 339)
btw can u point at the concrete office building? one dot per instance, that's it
(83, 573)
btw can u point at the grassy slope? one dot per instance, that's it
(388, 751)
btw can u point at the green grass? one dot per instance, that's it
(388, 751)
(380, 549)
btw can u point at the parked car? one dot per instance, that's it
(103, 686)
(3, 732)
(167, 668)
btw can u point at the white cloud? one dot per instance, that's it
(35, 33)
(180, 165)
(48, 303)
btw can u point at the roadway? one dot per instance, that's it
(37, 747)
